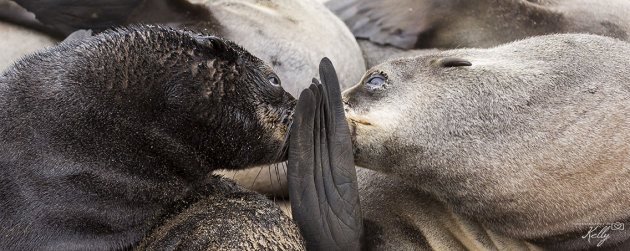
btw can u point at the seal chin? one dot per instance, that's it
(353, 134)
(354, 125)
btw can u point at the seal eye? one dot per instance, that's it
(375, 81)
(273, 79)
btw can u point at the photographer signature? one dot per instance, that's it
(601, 232)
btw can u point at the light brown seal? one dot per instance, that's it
(526, 143)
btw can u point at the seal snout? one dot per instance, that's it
(286, 120)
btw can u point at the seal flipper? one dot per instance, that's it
(382, 22)
(321, 173)
(66, 16)
(13, 13)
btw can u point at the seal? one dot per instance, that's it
(422, 24)
(276, 22)
(508, 143)
(62, 17)
(17, 40)
(267, 29)
(110, 139)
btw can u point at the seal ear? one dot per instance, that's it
(217, 44)
(399, 24)
(451, 62)
(219, 47)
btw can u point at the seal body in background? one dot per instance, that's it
(403, 25)
(109, 142)
(508, 147)
(18, 40)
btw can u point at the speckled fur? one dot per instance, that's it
(102, 138)
(531, 141)
(229, 218)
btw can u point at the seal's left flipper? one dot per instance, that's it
(385, 23)
(67, 16)
(321, 173)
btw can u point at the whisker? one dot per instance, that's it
(279, 180)
(285, 146)
(271, 182)
(255, 178)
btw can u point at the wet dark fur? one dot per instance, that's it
(101, 139)
(229, 217)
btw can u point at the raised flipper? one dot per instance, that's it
(321, 173)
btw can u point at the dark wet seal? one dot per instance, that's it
(107, 140)
(321, 173)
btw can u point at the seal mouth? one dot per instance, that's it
(287, 120)
(351, 115)
(360, 121)
(353, 124)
